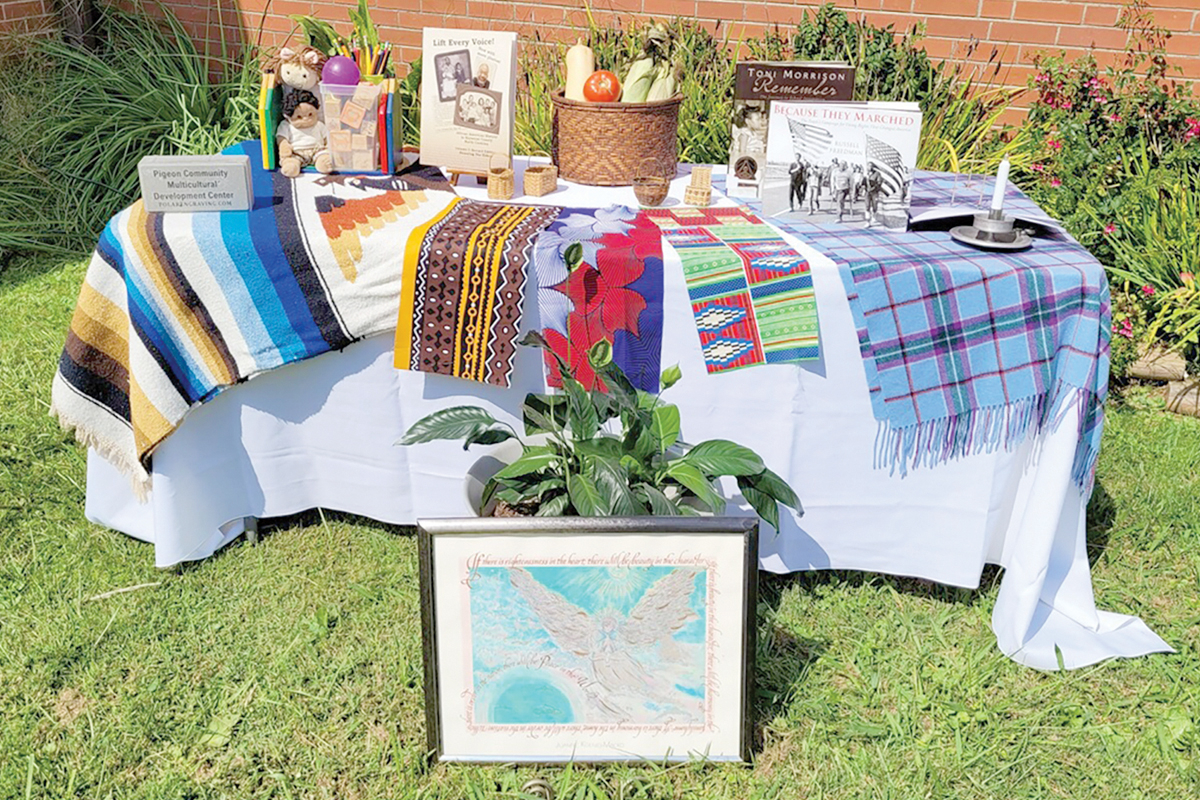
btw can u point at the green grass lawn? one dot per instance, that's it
(293, 669)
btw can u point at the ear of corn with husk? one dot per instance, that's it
(654, 74)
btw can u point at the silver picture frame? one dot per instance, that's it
(569, 639)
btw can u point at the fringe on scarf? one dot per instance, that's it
(986, 430)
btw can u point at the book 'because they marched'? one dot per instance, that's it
(850, 163)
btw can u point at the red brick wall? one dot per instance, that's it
(24, 16)
(1017, 28)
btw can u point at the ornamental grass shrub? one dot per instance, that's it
(77, 121)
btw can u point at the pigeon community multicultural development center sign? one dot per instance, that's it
(196, 183)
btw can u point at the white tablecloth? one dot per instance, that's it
(320, 434)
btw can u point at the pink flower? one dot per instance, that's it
(1147, 290)
(1055, 182)
(1038, 167)
(1110, 228)
(1125, 330)
(1114, 117)
(1054, 144)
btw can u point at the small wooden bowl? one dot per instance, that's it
(650, 190)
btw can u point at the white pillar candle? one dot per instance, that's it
(1001, 183)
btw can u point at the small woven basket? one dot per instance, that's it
(605, 144)
(697, 195)
(649, 189)
(500, 178)
(540, 179)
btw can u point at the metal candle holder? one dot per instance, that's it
(992, 231)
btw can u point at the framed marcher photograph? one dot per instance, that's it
(555, 639)
(477, 108)
(451, 68)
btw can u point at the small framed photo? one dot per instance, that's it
(451, 68)
(562, 639)
(477, 108)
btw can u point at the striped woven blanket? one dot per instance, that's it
(752, 294)
(176, 307)
(461, 296)
(967, 350)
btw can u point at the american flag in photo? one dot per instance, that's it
(887, 159)
(809, 141)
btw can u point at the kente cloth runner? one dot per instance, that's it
(752, 293)
(600, 278)
(463, 280)
(175, 307)
(967, 350)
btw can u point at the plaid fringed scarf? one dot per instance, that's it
(967, 350)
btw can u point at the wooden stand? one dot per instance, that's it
(480, 177)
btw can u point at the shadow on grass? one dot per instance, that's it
(782, 659)
(310, 518)
(1101, 516)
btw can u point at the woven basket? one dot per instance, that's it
(500, 178)
(540, 179)
(606, 144)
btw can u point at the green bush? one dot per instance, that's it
(1115, 154)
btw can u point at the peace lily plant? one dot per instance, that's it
(606, 453)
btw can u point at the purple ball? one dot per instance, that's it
(340, 71)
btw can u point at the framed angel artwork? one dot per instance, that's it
(589, 639)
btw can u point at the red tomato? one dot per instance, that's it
(602, 87)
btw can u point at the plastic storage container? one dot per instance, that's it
(351, 115)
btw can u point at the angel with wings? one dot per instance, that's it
(623, 650)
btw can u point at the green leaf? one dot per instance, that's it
(695, 481)
(618, 384)
(722, 457)
(613, 483)
(585, 497)
(527, 463)
(665, 425)
(645, 446)
(763, 504)
(550, 484)
(607, 446)
(660, 504)
(573, 255)
(670, 377)
(583, 417)
(554, 507)
(449, 423)
(487, 436)
(775, 486)
(645, 400)
(544, 413)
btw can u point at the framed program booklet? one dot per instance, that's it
(589, 639)
(468, 85)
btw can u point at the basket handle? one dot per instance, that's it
(643, 172)
(505, 165)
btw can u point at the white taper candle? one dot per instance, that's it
(1001, 183)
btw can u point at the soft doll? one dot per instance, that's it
(297, 69)
(302, 135)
